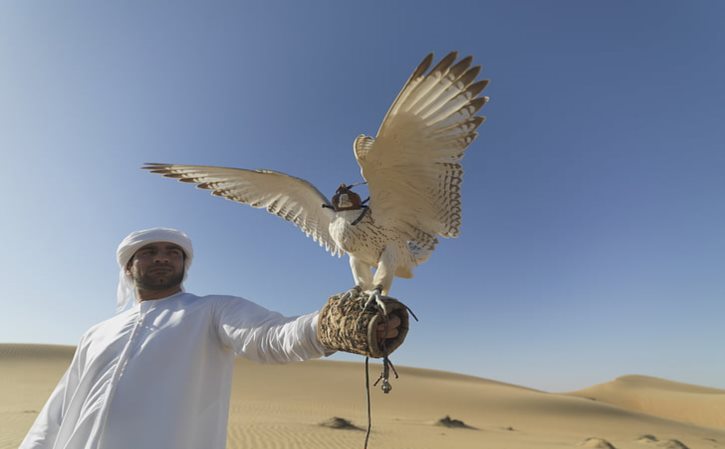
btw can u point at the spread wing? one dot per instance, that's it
(291, 198)
(413, 165)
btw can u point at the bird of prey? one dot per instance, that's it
(412, 168)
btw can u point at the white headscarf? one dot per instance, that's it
(135, 241)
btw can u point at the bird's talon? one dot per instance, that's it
(377, 297)
(352, 293)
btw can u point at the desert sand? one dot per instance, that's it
(682, 402)
(283, 406)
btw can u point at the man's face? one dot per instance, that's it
(157, 266)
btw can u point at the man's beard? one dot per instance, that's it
(156, 281)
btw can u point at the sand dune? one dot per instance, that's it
(684, 402)
(287, 406)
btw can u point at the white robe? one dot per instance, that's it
(159, 375)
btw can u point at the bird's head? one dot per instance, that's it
(346, 199)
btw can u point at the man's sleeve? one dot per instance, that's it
(259, 334)
(44, 431)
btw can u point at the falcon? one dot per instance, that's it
(412, 168)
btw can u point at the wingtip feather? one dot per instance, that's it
(462, 65)
(476, 88)
(423, 66)
(445, 63)
(152, 165)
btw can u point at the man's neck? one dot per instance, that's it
(149, 295)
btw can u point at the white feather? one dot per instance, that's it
(288, 197)
(413, 164)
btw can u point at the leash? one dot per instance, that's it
(360, 217)
(384, 376)
(386, 387)
(367, 396)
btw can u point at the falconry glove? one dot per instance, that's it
(349, 322)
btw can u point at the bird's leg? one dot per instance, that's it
(385, 270)
(361, 274)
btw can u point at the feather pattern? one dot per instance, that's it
(413, 164)
(293, 199)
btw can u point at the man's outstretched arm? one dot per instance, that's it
(259, 334)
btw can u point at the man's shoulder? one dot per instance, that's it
(235, 305)
(113, 321)
(189, 299)
(223, 299)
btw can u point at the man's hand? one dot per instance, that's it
(389, 329)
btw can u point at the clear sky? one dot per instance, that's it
(593, 237)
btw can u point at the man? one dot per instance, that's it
(159, 374)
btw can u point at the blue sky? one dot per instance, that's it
(593, 237)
